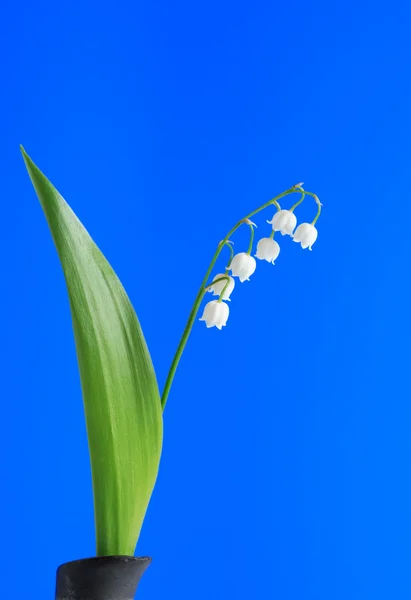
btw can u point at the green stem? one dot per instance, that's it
(227, 243)
(313, 196)
(318, 212)
(297, 203)
(201, 292)
(250, 246)
(272, 235)
(224, 278)
(220, 299)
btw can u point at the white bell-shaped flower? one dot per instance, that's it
(284, 221)
(267, 249)
(306, 234)
(215, 314)
(218, 287)
(243, 266)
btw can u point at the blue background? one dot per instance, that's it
(286, 463)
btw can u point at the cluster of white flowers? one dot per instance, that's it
(243, 265)
(285, 222)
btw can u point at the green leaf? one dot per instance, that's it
(121, 399)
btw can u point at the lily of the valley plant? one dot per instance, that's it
(122, 403)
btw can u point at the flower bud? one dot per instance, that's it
(306, 234)
(215, 314)
(243, 266)
(267, 249)
(284, 221)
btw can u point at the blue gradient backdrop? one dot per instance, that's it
(286, 464)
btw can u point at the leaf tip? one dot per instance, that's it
(30, 166)
(26, 157)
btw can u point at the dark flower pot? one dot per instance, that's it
(101, 578)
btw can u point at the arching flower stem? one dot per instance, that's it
(250, 246)
(201, 292)
(229, 244)
(226, 279)
(318, 212)
(220, 299)
(297, 203)
(303, 194)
